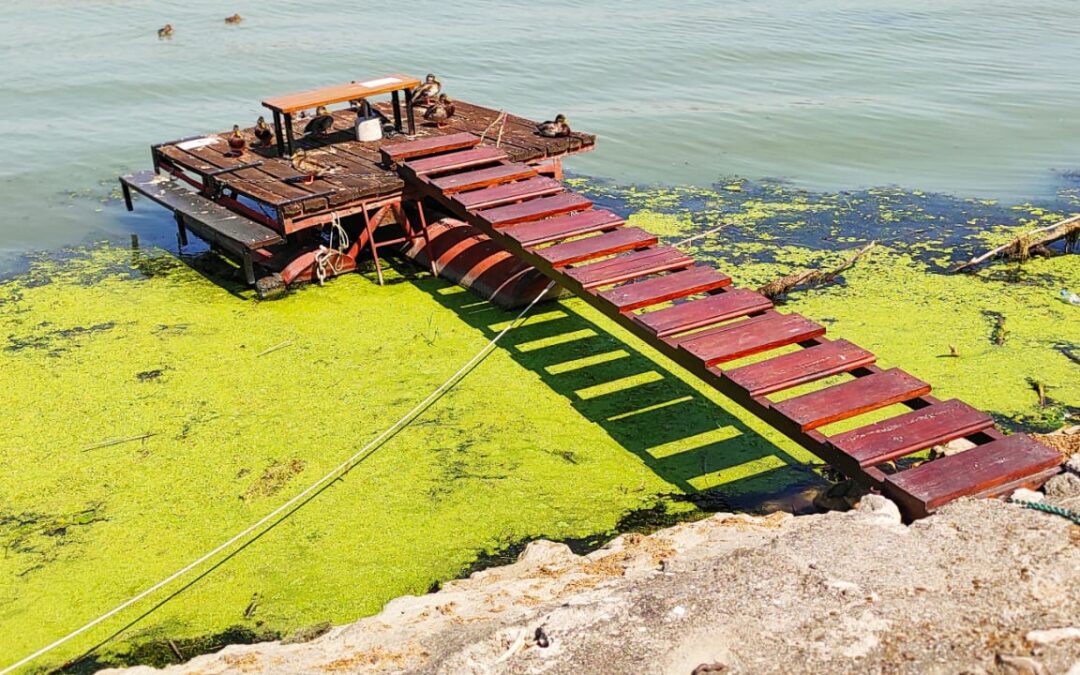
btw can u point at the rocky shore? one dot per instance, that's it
(981, 587)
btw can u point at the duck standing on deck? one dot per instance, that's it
(263, 132)
(237, 143)
(321, 124)
(308, 167)
(440, 111)
(165, 31)
(557, 129)
(427, 93)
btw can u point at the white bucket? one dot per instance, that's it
(368, 129)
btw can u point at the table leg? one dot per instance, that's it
(277, 132)
(397, 111)
(409, 111)
(289, 134)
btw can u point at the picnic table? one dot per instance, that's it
(284, 107)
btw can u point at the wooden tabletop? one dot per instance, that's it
(306, 100)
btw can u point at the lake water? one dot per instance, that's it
(973, 97)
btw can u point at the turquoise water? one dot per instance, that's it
(962, 96)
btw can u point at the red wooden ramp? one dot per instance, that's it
(691, 313)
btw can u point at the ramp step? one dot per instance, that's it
(534, 209)
(974, 471)
(911, 432)
(848, 399)
(750, 336)
(508, 193)
(806, 365)
(481, 178)
(699, 279)
(397, 152)
(563, 227)
(630, 266)
(608, 243)
(454, 161)
(700, 313)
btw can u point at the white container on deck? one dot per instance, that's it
(368, 128)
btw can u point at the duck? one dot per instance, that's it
(306, 165)
(557, 129)
(237, 142)
(235, 18)
(440, 111)
(321, 124)
(263, 132)
(427, 93)
(165, 31)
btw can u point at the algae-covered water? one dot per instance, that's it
(154, 408)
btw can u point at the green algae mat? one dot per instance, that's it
(153, 410)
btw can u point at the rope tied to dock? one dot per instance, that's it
(324, 259)
(302, 497)
(500, 117)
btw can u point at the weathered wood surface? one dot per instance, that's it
(242, 232)
(652, 303)
(357, 169)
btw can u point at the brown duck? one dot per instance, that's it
(554, 129)
(440, 111)
(263, 132)
(237, 142)
(235, 18)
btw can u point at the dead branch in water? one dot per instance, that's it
(1021, 247)
(811, 278)
(118, 441)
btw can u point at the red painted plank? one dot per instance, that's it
(703, 312)
(751, 336)
(608, 243)
(630, 266)
(806, 365)
(428, 146)
(911, 432)
(848, 399)
(976, 470)
(534, 209)
(563, 227)
(700, 279)
(508, 192)
(455, 161)
(474, 180)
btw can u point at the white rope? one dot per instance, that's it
(324, 260)
(334, 474)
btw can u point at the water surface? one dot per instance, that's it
(975, 97)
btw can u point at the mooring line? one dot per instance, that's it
(334, 474)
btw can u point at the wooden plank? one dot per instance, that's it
(396, 152)
(976, 470)
(917, 430)
(455, 161)
(243, 232)
(563, 227)
(481, 178)
(507, 193)
(699, 279)
(630, 266)
(750, 336)
(849, 399)
(686, 316)
(806, 365)
(608, 243)
(535, 209)
(340, 93)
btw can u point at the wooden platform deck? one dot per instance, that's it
(690, 313)
(357, 172)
